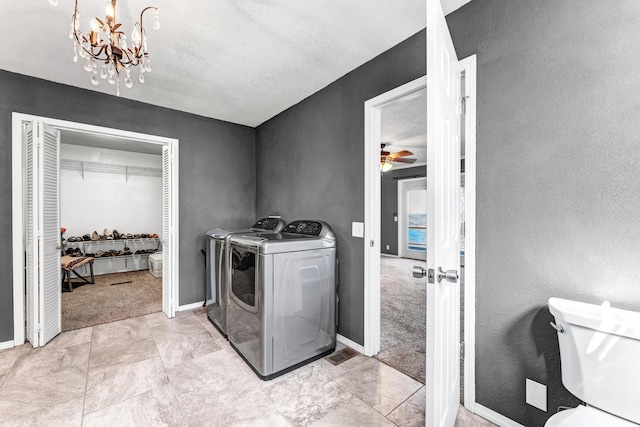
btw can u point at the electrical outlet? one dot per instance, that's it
(536, 394)
(387, 247)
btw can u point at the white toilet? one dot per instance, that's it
(600, 362)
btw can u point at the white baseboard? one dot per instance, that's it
(191, 306)
(495, 417)
(346, 341)
(7, 344)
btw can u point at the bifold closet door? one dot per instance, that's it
(43, 276)
(167, 233)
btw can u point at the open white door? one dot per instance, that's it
(43, 234)
(167, 232)
(443, 231)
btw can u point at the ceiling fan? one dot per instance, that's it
(386, 157)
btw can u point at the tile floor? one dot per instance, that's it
(152, 371)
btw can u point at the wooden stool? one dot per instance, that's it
(69, 265)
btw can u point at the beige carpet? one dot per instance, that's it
(403, 312)
(102, 302)
(403, 317)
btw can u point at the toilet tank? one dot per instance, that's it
(600, 355)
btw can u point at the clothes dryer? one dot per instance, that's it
(217, 267)
(283, 297)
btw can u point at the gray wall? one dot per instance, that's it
(389, 205)
(216, 169)
(310, 162)
(557, 179)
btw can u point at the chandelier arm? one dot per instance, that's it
(142, 13)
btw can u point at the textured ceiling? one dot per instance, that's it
(243, 61)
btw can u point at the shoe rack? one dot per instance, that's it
(118, 263)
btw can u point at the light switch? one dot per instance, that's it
(357, 229)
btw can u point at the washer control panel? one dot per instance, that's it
(306, 228)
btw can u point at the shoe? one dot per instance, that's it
(68, 251)
(107, 232)
(99, 254)
(154, 236)
(136, 236)
(116, 235)
(95, 236)
(86, 237)
(90, 255)
(144, 236)
(129, 236)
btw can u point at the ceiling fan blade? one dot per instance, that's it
(403, 160)
(402, 153)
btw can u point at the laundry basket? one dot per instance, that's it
(155, 264)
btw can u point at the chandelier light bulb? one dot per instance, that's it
(135, 36)
(109, 11)
(94, 24)
(53, 2)
(103, 73)
(94, 80)
(141, 78)
(156, 24)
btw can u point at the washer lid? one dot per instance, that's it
(587, 416)
(280, 242)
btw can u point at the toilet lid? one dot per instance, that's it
(586, 416)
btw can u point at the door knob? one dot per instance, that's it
(449, 275)
(419, 272)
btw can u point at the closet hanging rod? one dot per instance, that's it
(83, 167)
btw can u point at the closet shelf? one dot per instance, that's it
(82, 167)
(142, 239)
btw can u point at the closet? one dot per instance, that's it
(110, 201)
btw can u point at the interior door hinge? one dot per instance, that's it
(463, 105)
(461, 349)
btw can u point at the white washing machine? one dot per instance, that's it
(217, 267)
(283, 297)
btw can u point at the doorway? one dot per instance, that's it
(372, 243)
(35, 294)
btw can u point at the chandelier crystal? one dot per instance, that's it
(106, 44)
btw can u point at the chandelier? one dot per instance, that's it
(106, 43)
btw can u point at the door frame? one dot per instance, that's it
(372, 218)
(18, 197)
(402, 221)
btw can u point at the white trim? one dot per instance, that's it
(468, 65)
(495, 417)
(191, 306)
(7, 344)
(18, 211)
(354, 345)
(17, 224)
(372, 210)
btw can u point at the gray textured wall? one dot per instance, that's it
(389, 206)
(558, 188)
(310, 162)
(217, 181)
